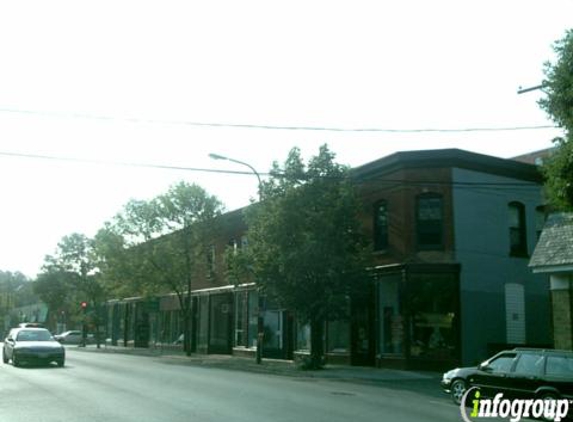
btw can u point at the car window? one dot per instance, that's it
(34, 336)
(559, 366)
(529, 364)
(502, 363)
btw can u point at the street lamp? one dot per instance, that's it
(222, 157)
(533, 88)
(260, 323)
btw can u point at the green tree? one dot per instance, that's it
(14, 291)
(166, 243)
(305, 241)
(56, 289)
(73, 271)
(558, 84)
(558, 103)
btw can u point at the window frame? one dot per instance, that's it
(427, 246)
(520, 249)
(540, 220)
(381, 241)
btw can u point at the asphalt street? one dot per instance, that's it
(125, 388)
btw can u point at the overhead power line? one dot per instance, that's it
(136, 120)
(123, 163)
(380, 179)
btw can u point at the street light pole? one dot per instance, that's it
(255, 172)
(533, 88)
(260, 322)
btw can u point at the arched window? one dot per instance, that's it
(380, 226)
(430, 221)
(517, 229)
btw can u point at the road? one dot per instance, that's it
(123, 388)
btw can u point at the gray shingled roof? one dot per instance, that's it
(555, 246)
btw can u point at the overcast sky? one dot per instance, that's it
(122, 81)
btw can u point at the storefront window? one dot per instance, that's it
(240, 308)
(302, 336)
(392, 322)
(253, 318)
(273, 329)
(219, 322)
(433, 306)
(203, 336)
(175, 325)
(338, 337)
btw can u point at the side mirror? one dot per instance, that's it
(484, 367)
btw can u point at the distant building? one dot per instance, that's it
(537, 157)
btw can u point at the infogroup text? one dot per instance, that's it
(515, 409)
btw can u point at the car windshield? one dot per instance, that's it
(30, 335)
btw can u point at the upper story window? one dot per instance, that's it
(517, 230)
(430, 221)
(380, 226)
(211, 255)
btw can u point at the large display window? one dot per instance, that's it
(418, 313)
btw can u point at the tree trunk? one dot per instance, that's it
(316, 344)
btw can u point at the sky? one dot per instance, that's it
(165, 83)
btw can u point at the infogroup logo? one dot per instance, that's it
(514, 409)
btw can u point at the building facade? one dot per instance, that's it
(449, 283)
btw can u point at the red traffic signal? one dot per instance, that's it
(84, 305)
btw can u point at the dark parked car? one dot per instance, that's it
(32, 345)
(518, 373)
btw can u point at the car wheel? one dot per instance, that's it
(548, 396)
(15, 360)
(60, 363)
(4, 357)
(458, 390)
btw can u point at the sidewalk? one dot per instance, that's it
(271, 366)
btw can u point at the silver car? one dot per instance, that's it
(32, 346)
(70, 337)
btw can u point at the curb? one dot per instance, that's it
(353, 374)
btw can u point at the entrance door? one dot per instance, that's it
(220, 327)
(362, 337)
(274, 341)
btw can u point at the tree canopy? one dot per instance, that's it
(558, 84)
(558, 103)
(161, 245)
(71, 276)
(305, 241)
